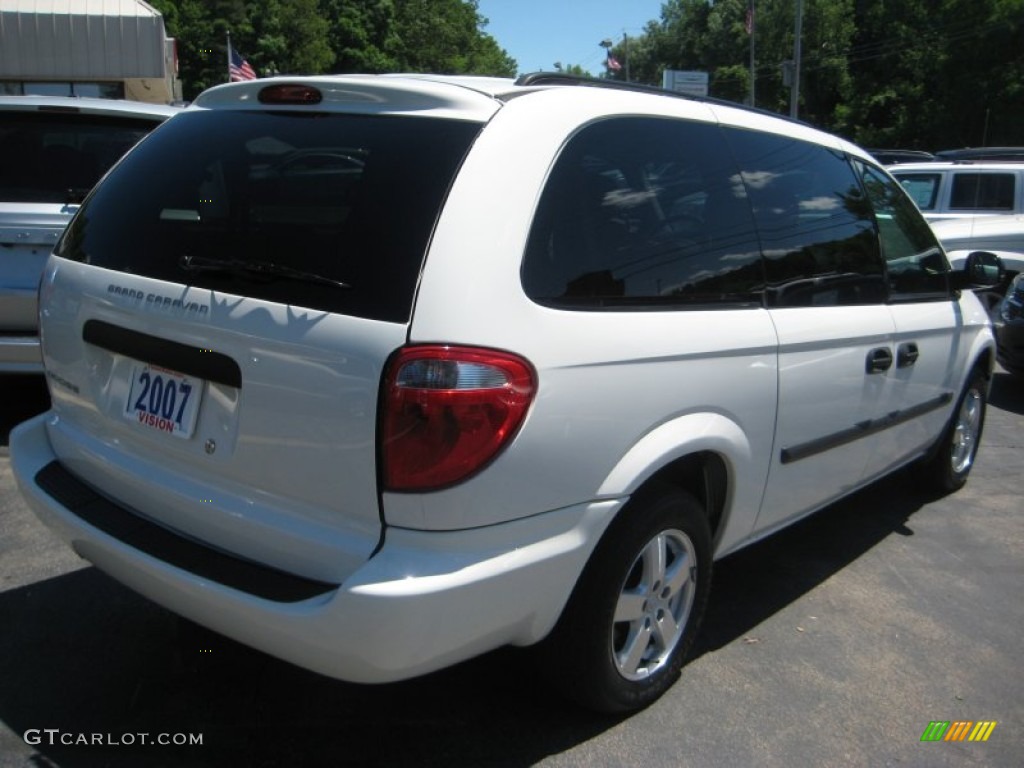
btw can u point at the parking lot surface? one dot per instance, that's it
(836, 642)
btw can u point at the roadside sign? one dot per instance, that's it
(692, 82)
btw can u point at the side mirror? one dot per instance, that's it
(981, 270)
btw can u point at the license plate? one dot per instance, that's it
(163, 400)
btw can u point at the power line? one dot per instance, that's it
(951, 33)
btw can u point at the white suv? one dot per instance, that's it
(959, 190)
(378, 373)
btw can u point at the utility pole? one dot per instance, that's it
(750, 33)
(794, 93)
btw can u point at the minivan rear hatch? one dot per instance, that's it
(219, 313)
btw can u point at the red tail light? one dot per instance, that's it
(290, 93)
(448, 411)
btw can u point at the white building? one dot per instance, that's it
(105, 48)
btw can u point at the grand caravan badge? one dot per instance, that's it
(156, 301)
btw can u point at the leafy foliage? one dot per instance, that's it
(920, 75)
(927, 75)
(321, 36)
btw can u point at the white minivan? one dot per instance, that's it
(379, 373)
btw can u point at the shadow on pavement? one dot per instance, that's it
(1007, 392)
(760, 580)
(89, 656)
(21, 398)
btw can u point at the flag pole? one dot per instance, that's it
(229, 55)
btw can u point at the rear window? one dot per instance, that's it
(344, 204)
(51, 157)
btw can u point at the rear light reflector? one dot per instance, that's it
(448, 411)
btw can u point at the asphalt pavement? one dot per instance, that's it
(835, 643)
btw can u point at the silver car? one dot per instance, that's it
(54, 150)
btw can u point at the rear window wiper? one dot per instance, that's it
(264, 268)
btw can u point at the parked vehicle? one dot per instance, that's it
(950, 190)
(55, 150)
(982, 154)
(897, 156)
(465, 363)
(1002, 235)
(1009, 328)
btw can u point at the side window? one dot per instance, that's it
(916, 266)
(923, 188)
(642, 212)
(982, 191)
(816, 227)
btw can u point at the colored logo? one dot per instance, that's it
(958, 730)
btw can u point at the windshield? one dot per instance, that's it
(347, 200)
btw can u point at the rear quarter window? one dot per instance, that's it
(350, 199)
(643, 213)
(982, 191)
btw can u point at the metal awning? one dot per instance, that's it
(76, 39)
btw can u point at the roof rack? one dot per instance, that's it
(561, 78)
(983, 155)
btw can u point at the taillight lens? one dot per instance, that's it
(448, 411)
(290, 93)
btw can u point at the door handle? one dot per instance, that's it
(879, 360)
(907, 354)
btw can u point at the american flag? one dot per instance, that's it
(238, 68)
(613, 64)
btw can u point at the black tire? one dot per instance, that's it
(652, 569)
(946, 470)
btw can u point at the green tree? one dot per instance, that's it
(314, 36)
(943, 74)
(291, 36)
(572, 69)
(202, 60)
(361, 34)
(446, 37)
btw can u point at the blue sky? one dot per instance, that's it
(537, 33)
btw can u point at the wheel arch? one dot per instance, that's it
(984, 363)
(701, 454)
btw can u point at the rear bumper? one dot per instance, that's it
(426, 600)
(20, 353)
(21, 267)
